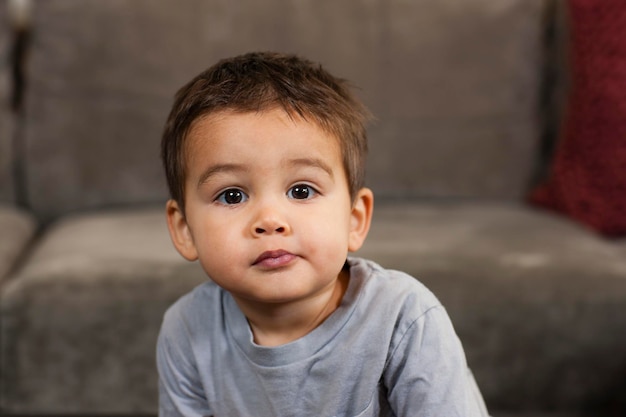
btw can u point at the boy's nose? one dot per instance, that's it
(261, 230)
(270, 222)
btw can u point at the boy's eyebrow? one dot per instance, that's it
(312, 162)
(305, 162)
(215, 169)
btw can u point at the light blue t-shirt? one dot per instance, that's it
(388, 350)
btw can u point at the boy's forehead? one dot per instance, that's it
(223, 127)
(210, 148)
(206, 125)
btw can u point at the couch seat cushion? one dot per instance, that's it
(80, 321)
(537, 300)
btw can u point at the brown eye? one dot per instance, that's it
(301, 192)
(232, 196)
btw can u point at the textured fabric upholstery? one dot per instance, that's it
(6, 122)
(587, 181)
(84, 313)
(18, 228)
(452, 120)
(522, 287)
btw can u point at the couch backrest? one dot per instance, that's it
(6, 174)
(454, 84)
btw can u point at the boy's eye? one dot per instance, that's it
(301, 192)
(231, 196)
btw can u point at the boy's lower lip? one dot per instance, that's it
(274, 259)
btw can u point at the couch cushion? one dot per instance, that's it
(80, 321)
(18, 228)
(538, 301)
(588, 177)
(454, 85)
(459, 81)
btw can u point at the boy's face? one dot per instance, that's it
(267, 207)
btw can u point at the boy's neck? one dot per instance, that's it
(278, 324)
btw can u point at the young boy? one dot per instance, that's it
(264, 156)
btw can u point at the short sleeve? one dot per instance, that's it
(427, 374)
(180, 386)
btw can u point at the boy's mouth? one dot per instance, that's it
(274, 258)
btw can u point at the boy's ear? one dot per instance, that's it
(179, 231)
(360, 218)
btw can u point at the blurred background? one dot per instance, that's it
(479, 106)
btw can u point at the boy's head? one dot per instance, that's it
(261, 81)
(265, 157)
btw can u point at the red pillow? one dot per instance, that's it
(587, 181)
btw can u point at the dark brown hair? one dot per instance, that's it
(260, 81)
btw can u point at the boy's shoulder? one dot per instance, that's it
(389, 288)
(201, 300)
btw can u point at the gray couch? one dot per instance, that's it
(466, 93)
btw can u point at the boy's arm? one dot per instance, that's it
(427, 374)
(180, 387)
